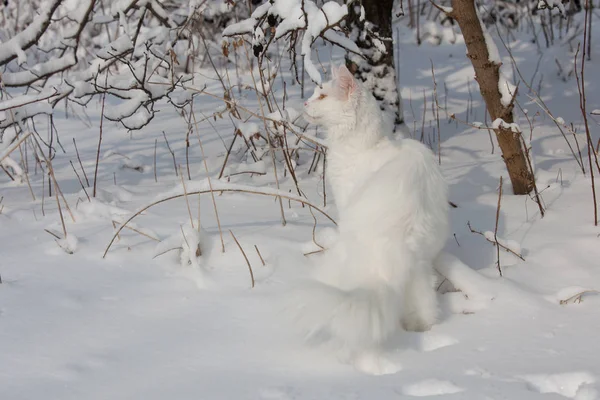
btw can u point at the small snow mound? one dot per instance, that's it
(566, 384)
(586, 392)
(327, 236)
(570, 294)
(194, 246)
(431, 387)
(248, 130)
(479, 372)
(69, 243)
(433, 342)
(375, 364)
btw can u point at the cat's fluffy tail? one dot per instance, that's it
(356, 319)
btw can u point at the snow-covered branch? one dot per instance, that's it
(295, 19)
(16, 46)
(62, 53)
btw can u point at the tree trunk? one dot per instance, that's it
(372, 35)
(487, 74)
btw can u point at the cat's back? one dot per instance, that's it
(405, 198)
(410, 178)
(409, 159)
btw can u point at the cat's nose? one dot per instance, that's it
(305, 103)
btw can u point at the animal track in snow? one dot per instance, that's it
(431, 387)
(433, 341)
(478, 372)
(566, 384)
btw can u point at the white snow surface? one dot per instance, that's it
(153, 321)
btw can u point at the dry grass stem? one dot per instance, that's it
(245, 257)
(52, 233)
(496, 227)
(577, 297)
(87, 182)
(257, 192)
(14, 146)
(115, 223)
(171, 151)
(80, 182)
(313, 252)
(495, 243)
(314, 229)
(212, 193)
(582, 107)
(185, 196)
(155, 175)
(100, 137)
(259, 255)
(437, 114)
(271, 150)
(51, 172)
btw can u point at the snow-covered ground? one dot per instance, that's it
(139, 325)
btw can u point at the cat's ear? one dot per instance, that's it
(346, 83)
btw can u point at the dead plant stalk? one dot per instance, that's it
(100, 137)
(257, 192)
(212, 193)
(245, 257)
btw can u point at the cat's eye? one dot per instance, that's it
(321, 97)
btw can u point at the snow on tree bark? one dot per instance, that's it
(370, 23)
(493, 86)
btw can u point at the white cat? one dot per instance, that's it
(393, 223)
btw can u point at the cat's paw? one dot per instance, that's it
(375, 364)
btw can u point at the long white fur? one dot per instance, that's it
(392, 202)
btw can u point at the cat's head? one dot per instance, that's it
(335, 103)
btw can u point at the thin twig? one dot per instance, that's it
(582, 107)
(314, 229)
(259, 255)
(53, 234)
(87, 181)
(185, 196)
(577, 297)
(100, 137)
(209, 180)
(235, 135)
(262, 111)
(494, 242)
(51, 172)
(166, 251)
(245, 257)
(14, 146)
(136, 231)
(172, 153)
(313, 252)
(155, 176)
(496, 227)
(114, 224)
(141, 210)
(80, 182)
